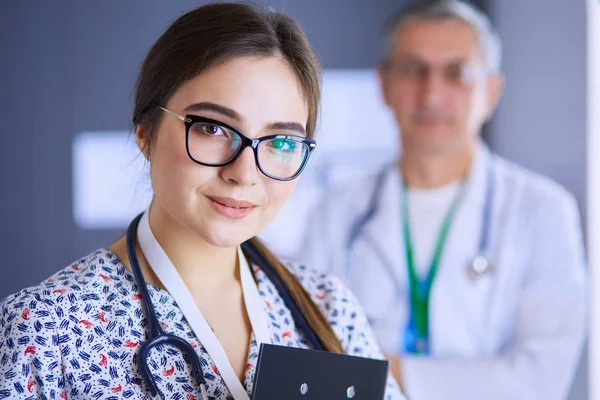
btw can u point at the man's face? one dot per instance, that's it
(436, 83)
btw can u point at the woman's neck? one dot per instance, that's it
(210, 273)
(196, 260)
(202, 267)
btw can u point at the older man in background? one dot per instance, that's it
(470, 268)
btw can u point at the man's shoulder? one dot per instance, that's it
(534, 188)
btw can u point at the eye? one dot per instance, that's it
(211, 129)
(410, 69)
(285, 145)
(462, 73)
(414, 71)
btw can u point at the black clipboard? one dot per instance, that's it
(288, 373)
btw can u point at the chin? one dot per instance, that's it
(225, 241)
(432, 146)
(435, 140)
(227, 236)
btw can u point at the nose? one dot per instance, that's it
(432, 87)
(243, 171)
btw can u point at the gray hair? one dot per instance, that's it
(487, 36)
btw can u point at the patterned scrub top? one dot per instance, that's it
(76, 335)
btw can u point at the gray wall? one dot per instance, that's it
(541, 121)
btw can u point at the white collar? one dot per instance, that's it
(164, 269)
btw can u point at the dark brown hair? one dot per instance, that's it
(211, 35)
(214, 34)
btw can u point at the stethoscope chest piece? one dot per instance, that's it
(480, 266)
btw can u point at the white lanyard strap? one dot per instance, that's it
(255, 305)
(164, 269)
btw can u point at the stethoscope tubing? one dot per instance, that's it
(372, 209)
(157, 336)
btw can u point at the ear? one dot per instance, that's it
(142, 134)
(383, 76)
(494, 92)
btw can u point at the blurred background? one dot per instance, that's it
(70, 178)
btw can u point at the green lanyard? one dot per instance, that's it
(418, 327)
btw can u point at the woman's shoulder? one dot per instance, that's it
(78, 279)
(345, 315)
(337, 303)
(325, 289)
(43, 324)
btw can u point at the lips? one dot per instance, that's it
(231, 208)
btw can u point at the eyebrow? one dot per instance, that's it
(228, 112)
(212, 107)
(288, 126)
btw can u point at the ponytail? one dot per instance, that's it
(315, 318)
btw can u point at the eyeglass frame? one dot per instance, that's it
(190, 119)
(469, 70)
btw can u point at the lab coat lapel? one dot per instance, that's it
(456, 300)
(467, 227)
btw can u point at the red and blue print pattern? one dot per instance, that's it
(77, 334)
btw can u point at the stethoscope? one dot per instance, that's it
(479, 266)
(157, 336)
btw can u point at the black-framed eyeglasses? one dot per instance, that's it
(213, 143)
(458, 73)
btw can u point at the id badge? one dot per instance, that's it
(413, 342)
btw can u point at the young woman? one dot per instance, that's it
(225, 110)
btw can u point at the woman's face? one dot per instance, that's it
(227, 205)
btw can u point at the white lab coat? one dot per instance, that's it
(513, 334)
